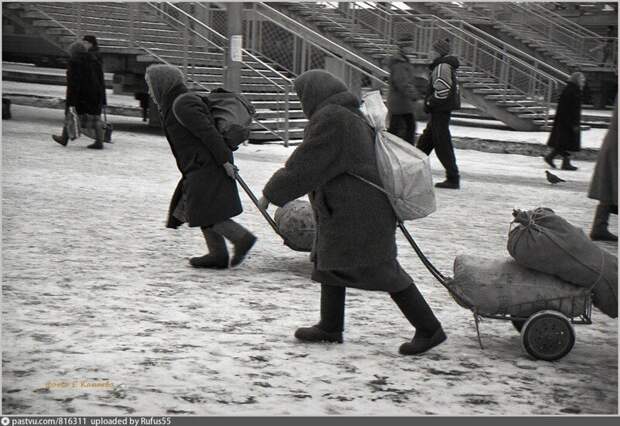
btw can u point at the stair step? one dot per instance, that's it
(264, 135)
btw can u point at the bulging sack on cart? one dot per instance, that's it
(548, 243)
(295, 221)
(404, 170)
(502, 286)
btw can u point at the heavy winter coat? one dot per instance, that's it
(85, 85)
(355, 222)
(566, 134)
(403, 93)
(443, 91)
(604, 185)
(209, 194)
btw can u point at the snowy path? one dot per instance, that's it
(97, 292)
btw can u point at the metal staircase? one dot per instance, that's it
(514, 88)
(168, 33)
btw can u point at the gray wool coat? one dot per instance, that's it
(355, 222)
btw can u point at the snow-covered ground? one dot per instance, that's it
(101, 314)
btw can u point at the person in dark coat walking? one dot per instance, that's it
(604, 184)
(85, 93)
(566, 133)
(402, 93)
(207, 194)
(442, 98)
(355, 243)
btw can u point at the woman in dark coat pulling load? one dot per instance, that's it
(355, 243)
(207, 194)
(566, 133)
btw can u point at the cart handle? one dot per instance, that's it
(255, 201)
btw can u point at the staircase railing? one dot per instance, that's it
(514, 73)
(583, 45)
(300, 48)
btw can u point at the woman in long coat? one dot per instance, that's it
(207, 194)
(604, 184)
(566, 133)
(355, 242)
(85, 93)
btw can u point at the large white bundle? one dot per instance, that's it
(404, 170)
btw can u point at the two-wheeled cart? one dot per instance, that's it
(546, 326)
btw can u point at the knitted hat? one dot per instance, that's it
(442, 46)
(314, 87)
(162, 78)
(92, 40)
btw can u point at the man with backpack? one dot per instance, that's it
(441, 99)
(207, 194)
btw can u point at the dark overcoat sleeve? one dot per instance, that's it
(195, 116)
(403, 80)
(316, 161)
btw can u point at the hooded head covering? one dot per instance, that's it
(92, 40)
(314, 87)
(160, 79)
(442, 46)
(76, 49)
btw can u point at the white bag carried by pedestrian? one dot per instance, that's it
(404, 170)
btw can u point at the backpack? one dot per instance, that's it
(404, 170)
(232, 114)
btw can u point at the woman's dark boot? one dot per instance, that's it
(63, 139)
(428, 332)
(550, 157)
(566, 165)
(99, 136)
(601, 222)
(330, 328)
(218, 253)
(242, 239)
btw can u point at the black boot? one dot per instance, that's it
(428, 328)
(63, 139)
(330, 328)
(566, 165)
(550, 157)
(242, 239)
(449, 183)
(99, 136)
(601, 222)
(218, 253)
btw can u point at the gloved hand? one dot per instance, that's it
(230, 169)
(263, 203)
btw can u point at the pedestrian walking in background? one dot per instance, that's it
(566, 132)
(355, 243)
(85, 93)
(402, 92)
(604, 184)
(443, 96)
(207, 194)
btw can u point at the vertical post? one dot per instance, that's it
(232, 75)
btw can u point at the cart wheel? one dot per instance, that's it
(547, 335)
(518, 324)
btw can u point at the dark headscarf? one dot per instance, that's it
(314, 87)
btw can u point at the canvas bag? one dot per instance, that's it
(72, 124)
(232, 114)
(404, 170)
(546, 242)
(107, 129)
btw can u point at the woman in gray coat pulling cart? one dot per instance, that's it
(355, 243)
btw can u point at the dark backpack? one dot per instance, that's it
(232, 114)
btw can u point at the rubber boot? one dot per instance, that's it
(242, 239)
(601, 222)
(566, 165)
(217, 258)
(330, 328)
(63, 139)
(429, 332)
